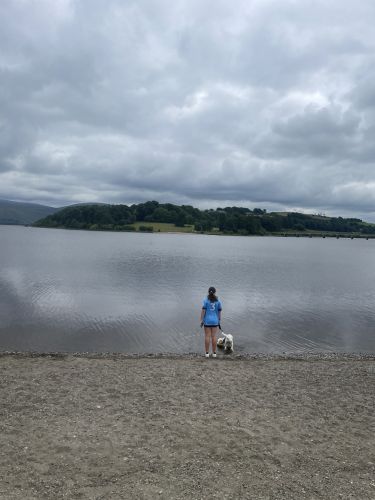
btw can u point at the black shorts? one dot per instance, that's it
(211, 326)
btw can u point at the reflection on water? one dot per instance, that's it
(86, 291)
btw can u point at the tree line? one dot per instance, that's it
(231, 220)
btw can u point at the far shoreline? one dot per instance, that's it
(338, 236)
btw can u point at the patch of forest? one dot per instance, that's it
(228, 220)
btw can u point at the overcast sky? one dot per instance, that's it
(259, 103)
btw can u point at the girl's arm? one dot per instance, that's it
(203, 312)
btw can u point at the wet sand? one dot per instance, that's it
(118, 427)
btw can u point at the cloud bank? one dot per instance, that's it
(262, 103)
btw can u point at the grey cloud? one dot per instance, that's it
(362, 95)
(316, 132)
(253, 102)
(321, 121)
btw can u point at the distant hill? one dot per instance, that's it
(156, 216)
(14, 212)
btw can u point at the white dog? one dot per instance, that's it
(225, 343)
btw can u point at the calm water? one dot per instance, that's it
(86, 291)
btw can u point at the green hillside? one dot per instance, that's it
(13, 212)
(154, 216)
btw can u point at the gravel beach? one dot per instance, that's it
(175, 427)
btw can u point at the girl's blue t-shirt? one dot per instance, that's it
(212, 309)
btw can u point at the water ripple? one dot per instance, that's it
(71, 290)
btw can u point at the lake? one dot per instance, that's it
(80, 291)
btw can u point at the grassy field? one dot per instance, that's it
(164, 227)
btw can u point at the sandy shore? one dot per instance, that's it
(118, 427)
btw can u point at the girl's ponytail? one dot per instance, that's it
(212, 294)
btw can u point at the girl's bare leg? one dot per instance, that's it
(213, 338)
(207, 335)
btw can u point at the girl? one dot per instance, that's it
(210, 319)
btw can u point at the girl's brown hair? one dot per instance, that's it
(212, 294)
